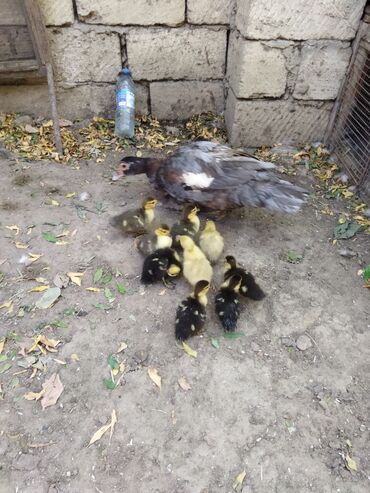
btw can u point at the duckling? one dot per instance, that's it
(191, 313)
(248, 286)
(189, 224)
(227, 303)
(160, 265)
(136, 221)
(147, 244)
(196, 267)
(211, 242)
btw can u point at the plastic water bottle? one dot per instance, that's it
(125, 105)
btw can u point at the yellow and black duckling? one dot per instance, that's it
(161, 238)
(196, 266)
(227, 303)
(191, 313)
(160, 266)
(136, 221)
(189, 224)
(248, 285)
(211, 242)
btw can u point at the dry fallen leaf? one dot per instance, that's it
(48, 298)
(53, 388)
(74, 357)
(188, 350)
(41, 343)
(238, 483)
(20, 245)
(93, 290)
(6, 304)
(55, 203)
(70, 195)
(350, 463)
(122, 347)
(39, 289)
(34, 396)
(35, 256)
(2, 343)
(15, 228)
(184, 384)
(154, 376)
(100, 432)
(75, 277)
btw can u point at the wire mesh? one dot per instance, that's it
(350, 135)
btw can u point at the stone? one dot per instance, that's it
(303, 342)
(58, 13)
(30, 129)
(288, 341)
(74, 102)
(126, 12)
(322, 69)
(209, 11)
(299, 19)
(183, 53)
(81, 56)
(182, 99)
(256, 70)
(263, 123)
(23, 120)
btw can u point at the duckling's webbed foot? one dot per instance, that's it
(168, 283)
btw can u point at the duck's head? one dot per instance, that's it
(149, 203)
(190, 211)
(186, 242)
(163, 230)
(210, 226)
(233, 283)
(130, 165)
(230, 263)
(201, 289)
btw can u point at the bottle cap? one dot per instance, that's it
(125, 71)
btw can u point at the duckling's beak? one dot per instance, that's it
(119, 173)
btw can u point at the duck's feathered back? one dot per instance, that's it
(217, 177)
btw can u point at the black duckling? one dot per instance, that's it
(227, 303)
(217, 177)
(211, 242)
(136, 221)
(196, 266)
(189, 224)
(248, 286)
(161, 238)
(191, 313)
(160, 266)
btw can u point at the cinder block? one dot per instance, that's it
(256, 70)
(182, 99)
(183, 53)
(131, 12)
(299, 19)
(57, 13)
(259, 123)
(210, 11)
(85, 56)
(322, 69)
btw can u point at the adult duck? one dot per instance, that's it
(216, 177)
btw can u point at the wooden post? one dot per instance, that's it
(38, 34)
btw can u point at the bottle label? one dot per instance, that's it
(125, 99)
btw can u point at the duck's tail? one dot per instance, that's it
(277, 195)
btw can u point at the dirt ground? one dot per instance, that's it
(292, 418)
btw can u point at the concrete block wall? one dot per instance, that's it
(275, 66)
(286, 62)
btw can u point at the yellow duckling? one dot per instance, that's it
(196, 267)
(161, 239)
(211, 242)
(136, 221)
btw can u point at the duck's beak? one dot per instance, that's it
(119, 173)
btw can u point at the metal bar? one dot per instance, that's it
(355, 48)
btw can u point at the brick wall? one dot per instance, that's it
(280, 64)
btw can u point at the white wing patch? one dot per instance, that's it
(198, 180)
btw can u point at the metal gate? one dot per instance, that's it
(348, 134)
